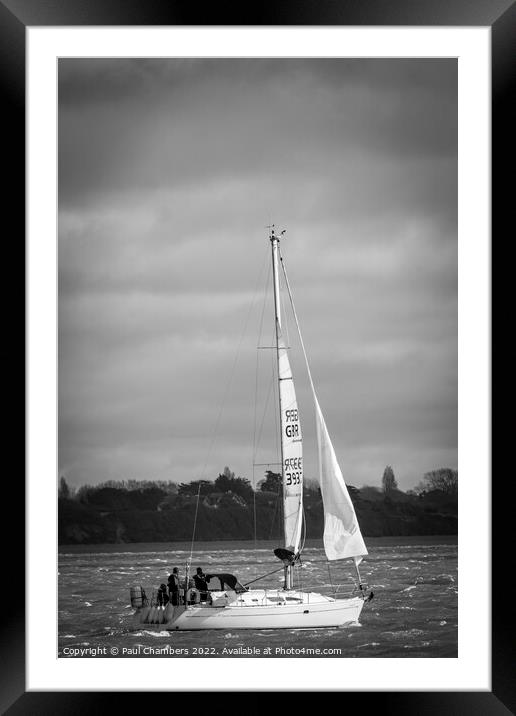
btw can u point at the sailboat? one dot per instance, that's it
(228, 604)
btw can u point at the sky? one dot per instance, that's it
(170, 170)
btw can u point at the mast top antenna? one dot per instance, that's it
(273, 236)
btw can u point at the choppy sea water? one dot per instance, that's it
(413, 612)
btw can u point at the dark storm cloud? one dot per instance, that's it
(149, 128)
(168, 172)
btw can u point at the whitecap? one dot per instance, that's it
(403, 633)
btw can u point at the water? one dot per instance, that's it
(413, 612)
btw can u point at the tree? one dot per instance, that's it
(444, 479)
(227, 482)
(192, 488)
(272, 482)
(64, 490)
(389, 483)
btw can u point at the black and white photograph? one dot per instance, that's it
(257, 357)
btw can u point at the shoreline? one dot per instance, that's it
(203, 545)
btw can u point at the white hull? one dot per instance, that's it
(256, 609)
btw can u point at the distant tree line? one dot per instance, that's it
(443, 480)
(229, 508)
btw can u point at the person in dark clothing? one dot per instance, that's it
(201, 584)
(162, 595)
(173, 586)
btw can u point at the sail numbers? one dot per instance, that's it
(293, 470)
(293, 478)
(292, 423)
(292, 451)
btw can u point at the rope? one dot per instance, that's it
(254, 508)
(257, 372)
(304, 531)
(195, 522)
(330, 577)
(271, 383)
(230, 379)
(298, 329)
(257, 366)
(274, 515)
(262, 577)
(278, 449)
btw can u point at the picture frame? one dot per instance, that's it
(15, 17)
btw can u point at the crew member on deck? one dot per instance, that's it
(162, 595)
(201, 584)
(173, 587)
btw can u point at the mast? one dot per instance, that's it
(277, 316)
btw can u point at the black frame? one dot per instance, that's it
(500, 16)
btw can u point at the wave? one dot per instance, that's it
(438, 579)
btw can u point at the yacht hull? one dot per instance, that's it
(303, 611)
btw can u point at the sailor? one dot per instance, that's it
(173, 587)
(201, 584)
(162, 595)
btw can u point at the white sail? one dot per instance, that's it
(342, 536)
(292, 452)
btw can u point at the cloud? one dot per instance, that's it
(169, 172)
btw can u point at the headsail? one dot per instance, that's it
(342, 536)
(292, 452)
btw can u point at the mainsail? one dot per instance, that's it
(291, 445)
(292, 452)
